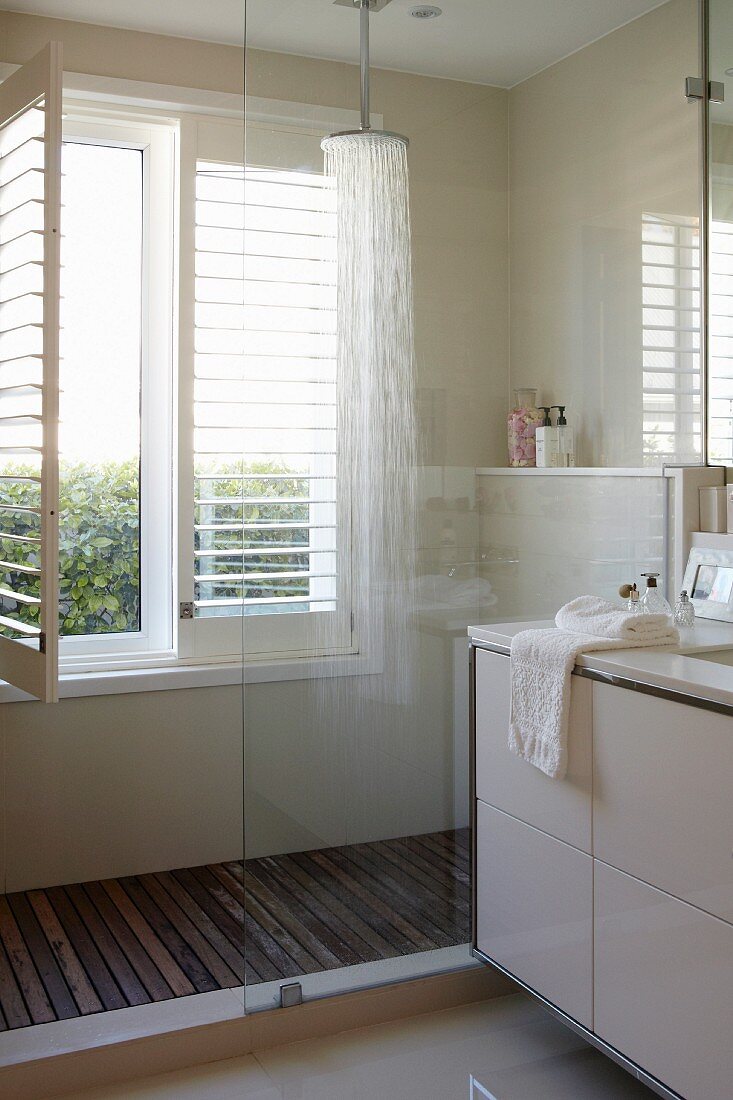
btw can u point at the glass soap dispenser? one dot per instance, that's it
(684, 612)
(522, 424)
(653, 602)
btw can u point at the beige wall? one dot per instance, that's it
(131, 55)
(121, 784)
(595, 141)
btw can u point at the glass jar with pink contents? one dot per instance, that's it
(522, 423)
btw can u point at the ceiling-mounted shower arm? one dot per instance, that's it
(364, 61)
(332, 143)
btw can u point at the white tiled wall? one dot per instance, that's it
(546, 539)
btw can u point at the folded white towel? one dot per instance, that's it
(596, 616)
(542, 662)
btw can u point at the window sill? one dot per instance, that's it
(177, 676)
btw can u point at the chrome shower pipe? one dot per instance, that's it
(364, 61)
(329, 143)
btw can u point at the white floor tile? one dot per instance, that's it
(505, 1049)
(510, 1047)
(235, 1079)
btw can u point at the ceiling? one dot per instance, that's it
(497, 42)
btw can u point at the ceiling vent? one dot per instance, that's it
(425, 11)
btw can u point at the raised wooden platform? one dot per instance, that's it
(96, 946)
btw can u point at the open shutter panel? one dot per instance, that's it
(30, 177)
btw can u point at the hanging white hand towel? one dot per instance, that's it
(542, 662)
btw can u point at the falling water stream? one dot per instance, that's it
(376, 462)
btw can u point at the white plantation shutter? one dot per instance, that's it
(30, 153)
(671, 340)
(720, 334)
(270, 532)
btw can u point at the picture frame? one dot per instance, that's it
(709, 582)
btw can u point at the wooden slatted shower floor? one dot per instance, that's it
(96, 946)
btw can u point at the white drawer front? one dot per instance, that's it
(663, 810)
(664, 985)
(559, 807)
(535, 910)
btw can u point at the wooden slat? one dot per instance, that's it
(446, 893)
(258, 963)
(316, 936)
(89, 956)
(159, 953)
(26, 975)
(461, 838)
(231, 955)
(444, 899)
(11, 999)
(254, 934)
(312, 877)
(421, 932)
(440, 847)
(81, 988)
(345, 939)
(394, 869)
(131, 986)
(223, 975)
(138, 958)
(412, 855)
(417, 906)
(383, 917)
(48, 968)
(177, 947)
(298, 940)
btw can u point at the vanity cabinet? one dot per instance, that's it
(610, 893)
(505, 781)
(663, 982)
(535, 909)
(663, 805)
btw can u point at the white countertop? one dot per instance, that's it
(670, 667)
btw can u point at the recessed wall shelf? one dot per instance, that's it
(572, 471)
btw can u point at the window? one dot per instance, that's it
(199, 404)
(99, 431)
(671, 340)
(117, 284)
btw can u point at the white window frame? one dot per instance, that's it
(157, 140)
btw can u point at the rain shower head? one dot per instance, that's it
(334, 142)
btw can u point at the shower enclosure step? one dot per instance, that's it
(96, 946)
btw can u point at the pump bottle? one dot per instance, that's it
(546, 439)
(565, 454)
